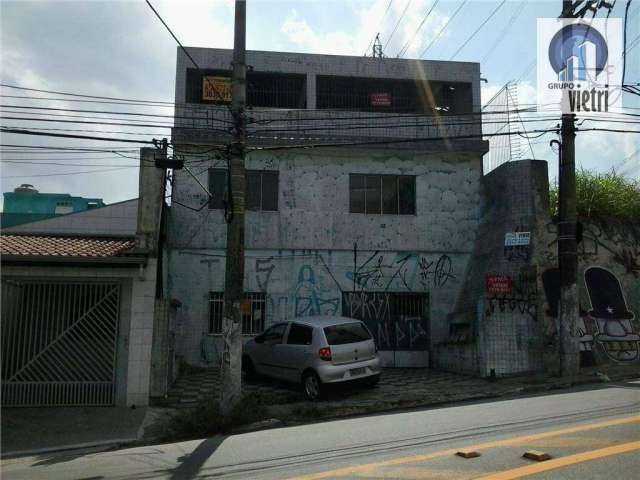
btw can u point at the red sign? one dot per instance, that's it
(380, 99)
(498, 284)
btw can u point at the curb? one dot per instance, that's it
(65, 449)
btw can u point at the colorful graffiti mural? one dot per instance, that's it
(608, 324)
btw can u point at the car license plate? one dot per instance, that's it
(358, 371)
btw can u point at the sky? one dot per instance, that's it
(120, 49)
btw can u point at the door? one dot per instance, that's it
(59, 342)
(297, 351)
(266, 352)
(398, 321)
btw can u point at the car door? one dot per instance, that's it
(295, 352)
(266, 349)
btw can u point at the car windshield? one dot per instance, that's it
(346, 333)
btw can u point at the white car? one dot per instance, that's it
(314, 351)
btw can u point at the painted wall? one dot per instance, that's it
(302, 256)
(516, 331)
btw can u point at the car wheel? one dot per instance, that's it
(312, 386)
(248, 368)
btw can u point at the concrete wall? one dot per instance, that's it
(517, 331)
(302, 256)
(136, 319)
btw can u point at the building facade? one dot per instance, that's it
(376, 221)
(26, 204)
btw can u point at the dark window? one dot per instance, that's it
(357, 195)
(346, 333)
(217, 187)
(388, 194)
(264, 89)
(262, 190)
(275, 333)
(392, 95)
(300, 335)
(252, 321)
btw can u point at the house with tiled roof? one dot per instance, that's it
(80, 298)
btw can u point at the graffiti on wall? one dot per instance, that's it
(622, 242)
(608, 323)
(402, 271)
(397, 321)
(523, 297)
(312, 297)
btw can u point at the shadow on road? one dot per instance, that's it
(190, 464)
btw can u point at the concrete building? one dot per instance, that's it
(26, 204)
(80, 302)
(382, 229)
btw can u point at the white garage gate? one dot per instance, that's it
(59, 342)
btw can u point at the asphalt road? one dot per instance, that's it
(589, 433)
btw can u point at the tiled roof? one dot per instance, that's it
(59, 246)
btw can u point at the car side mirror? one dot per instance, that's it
(259, 339)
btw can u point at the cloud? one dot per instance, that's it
(367, 23)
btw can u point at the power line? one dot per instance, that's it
(405, 47)
(184, 50)
(70, 173)
(478, 29)
(439, 34)
(398, 22)
(381, 22)
(81, 137)
(510, 23)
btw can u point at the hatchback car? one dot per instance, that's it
(315, 352)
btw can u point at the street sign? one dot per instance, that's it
(216, 89)
(516, 239)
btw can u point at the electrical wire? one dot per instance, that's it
(408, 43)
(70, 173)
(478, 29)
(439, 34)
(520, 6)
(380, 25)
(398, 22)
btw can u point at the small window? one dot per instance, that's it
(299, 335)
(387, 194)
(262, 190)
(252, 322)
(217, 188)
(346, 333)
(275, 333)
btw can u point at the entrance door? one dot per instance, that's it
(398, 321)
(59, 342)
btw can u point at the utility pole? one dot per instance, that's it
(234, 268)
(567, 245)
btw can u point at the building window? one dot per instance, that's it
(262, 190)
(252, 319)
(382, 194)
(217, 187)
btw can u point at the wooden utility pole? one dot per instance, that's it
(567, 244)
(234, 269)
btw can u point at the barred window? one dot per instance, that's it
(252, 321)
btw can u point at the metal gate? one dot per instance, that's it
(398, 321)
(59, 342)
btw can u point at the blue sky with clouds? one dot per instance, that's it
(118, 48)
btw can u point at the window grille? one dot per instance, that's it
(252, 323)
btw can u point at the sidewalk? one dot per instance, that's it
(39, 430)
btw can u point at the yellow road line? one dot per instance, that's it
(563, 462)
(443, 453)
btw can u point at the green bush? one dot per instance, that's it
(605, 197)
